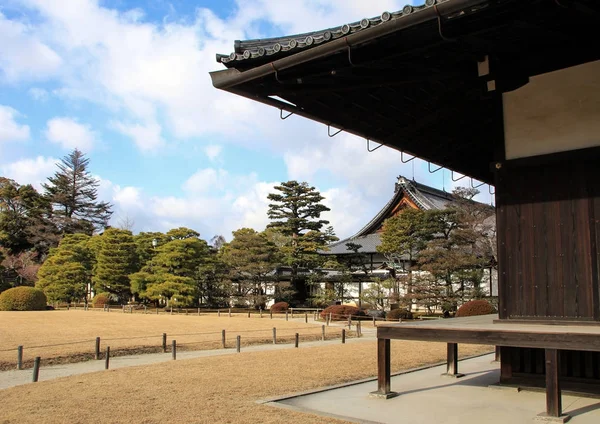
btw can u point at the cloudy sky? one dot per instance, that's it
(126, 82)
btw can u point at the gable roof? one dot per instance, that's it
(420, 195)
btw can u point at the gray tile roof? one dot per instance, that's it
(280, 46)
(368, 242)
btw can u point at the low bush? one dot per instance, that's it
(280, 307)
(396, 314)
(23, 299)
(474, 308)
(100, 300)
(342, 312)
(376, 313)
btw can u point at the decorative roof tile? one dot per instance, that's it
(254, 49)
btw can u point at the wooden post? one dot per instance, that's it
(497, 355)
(358, 329)
(374, 323)
(107, 358)
(297, 340)
(157, 310)
(553, 391)
(219, 313)
(238, 343)
(343, 335)
(349, 322)
(505, 364)
(174, 349)
(330, 317)
(452, 361)
(36, 369)
(171, 309)
(322, 333)
(198, 311)
(97, 352)
(186, 312)
(274, 335)
(164, 342)
(223, 338)
(19, 357)
(248, 314)
(292, 310)
(383, 370)
(306, 317)
(145, 309)
(123, 308)
(286, 315)
(260, 310)
(271, 314)
(229, 312)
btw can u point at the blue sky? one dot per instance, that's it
(126, 81)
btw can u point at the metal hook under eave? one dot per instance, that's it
(439, 22)
(406, 161)
(457, 179)
(286, 116)
(276, 74)
(477, 186)
(335, 133)
(435, 170)
(369, 149)
(349, 51)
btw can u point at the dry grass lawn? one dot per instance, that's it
(219, 389)
(66, 336)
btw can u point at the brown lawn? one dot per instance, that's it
(67, 336)
(207, 390)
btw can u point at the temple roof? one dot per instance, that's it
(421, 196)
(427, 80)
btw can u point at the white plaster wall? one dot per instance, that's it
(555, 112)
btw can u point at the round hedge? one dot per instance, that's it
(474, 308)
(100, 299)
(23, 299)
(280, 307)
(342, 312)
(396, 314)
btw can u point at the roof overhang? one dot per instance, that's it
(428, 82)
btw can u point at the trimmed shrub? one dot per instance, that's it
(23, 299)
(342, 312)
(396, 314)
(376, 313)
(280, 307)
(101, 299)
(474, 308)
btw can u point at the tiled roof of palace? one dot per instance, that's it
(425, 197)
(280, 46)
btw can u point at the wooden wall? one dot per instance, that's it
(548, 212)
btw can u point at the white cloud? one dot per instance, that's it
(147, 137)
(23, 55)
(38, 94)
(213, 151)
(10, 130)
(30, 171)
(70, 134)
(207, 179)
(127, 198)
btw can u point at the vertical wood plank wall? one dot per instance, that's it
(547, 218)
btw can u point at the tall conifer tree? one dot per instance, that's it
(73, 192)
(116, 260)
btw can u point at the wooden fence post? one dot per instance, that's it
(223, 339)
(292, 314)
(286, 315)
(19, 357)
(164, 342)
(374, 323)
(343, 335)
(260, 311)
(97, 352)
(157, 310)
(358, 329)
(36, 369)
(248, 314)
(145, 309)
(238, 343)
(271, 314)
(174, 349)
(107, 359)
(349, 322)
(229, 312)
(306, 317)
(297, 340)
(323, 333)
(274, 335)
(198, 311)
(219, 313)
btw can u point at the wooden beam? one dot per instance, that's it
(383, 370)
(452, 361)
(506, 371)
(553, 392)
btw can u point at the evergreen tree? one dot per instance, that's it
(73, 193)
(146, 245)
(66, 274)
(296, 212)
(115, 262)
(250, 258)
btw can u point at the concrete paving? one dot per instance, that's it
(427, 397)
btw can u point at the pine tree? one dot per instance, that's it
(116, 260)
(296, 212)
(73, 192)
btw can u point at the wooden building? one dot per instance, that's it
(505, 91)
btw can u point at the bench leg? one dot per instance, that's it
(553, 393)
(383, 370)
(452, 361)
